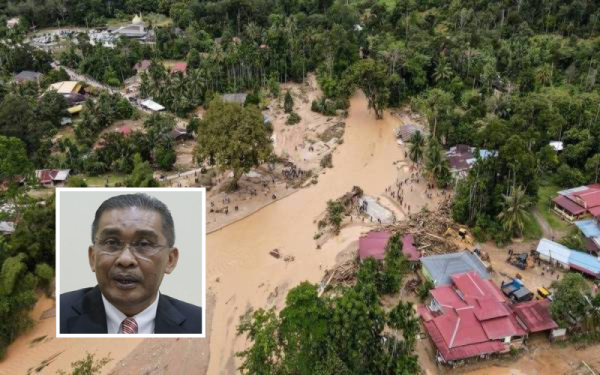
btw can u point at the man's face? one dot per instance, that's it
(127, 281)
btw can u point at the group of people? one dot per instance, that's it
(293, 172)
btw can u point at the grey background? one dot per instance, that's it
(77, 210)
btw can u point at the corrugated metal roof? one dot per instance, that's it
(589, 228)
(585, 263)
(590, 197)
(555, 251)
(442, 267)
(595, 211)
(373, 245)
(152, 105)
(472, 285)
(568, 205)
(499, 328)
(466, 351)
(475, 318)
(409, 249)
(446, 297)
(535, 315)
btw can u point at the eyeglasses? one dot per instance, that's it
(140, 248)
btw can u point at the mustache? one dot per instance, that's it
(129, 276)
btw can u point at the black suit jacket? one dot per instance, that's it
(82, 311)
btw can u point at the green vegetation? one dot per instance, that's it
(531, 228)
(233, 137)
(142, 175)
(326, 161)
(575, 307)
(88, 366)
(293, 119)
(415, 150)
(27, 261)
(348, 333)
(288, 103)
(436, 165)
(545, 195)
(514, 211)
(335, 215)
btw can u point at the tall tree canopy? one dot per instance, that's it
(233, 137)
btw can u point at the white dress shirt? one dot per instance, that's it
(144, 320)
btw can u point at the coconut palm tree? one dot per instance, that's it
(543, 74)
(443, 70)
(514, 213)
(416, 147)
(436, 164)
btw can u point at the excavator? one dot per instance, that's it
(460, 236)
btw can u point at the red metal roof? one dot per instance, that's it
(475, 318)
(490, 309)
(373, 245)
(462, 352)
(46, 176)
(591, 197)
(568, 205)
(471, 285)
(595, 211)
(447, 297)
(409, 249)
(584, 270)
(499, 328)
(535, 315)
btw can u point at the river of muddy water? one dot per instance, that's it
(238, 256)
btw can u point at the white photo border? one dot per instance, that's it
(59, 190)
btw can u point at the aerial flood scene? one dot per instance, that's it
(299, 187)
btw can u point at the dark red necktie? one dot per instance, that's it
(129, 326)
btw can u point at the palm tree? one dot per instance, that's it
(416, 147)
(514, 212)
(543, 74)
(436, 164)
(443, 70)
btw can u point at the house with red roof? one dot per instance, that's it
(471, 318)
(579, 202)
(373, 245)
(535, 315)
(53, 177)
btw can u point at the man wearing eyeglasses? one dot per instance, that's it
(133, 247)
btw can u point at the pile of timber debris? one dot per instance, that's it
(428, 229)
(343, 274)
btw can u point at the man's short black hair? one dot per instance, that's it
(139, 200)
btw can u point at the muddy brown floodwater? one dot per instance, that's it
(238, 256)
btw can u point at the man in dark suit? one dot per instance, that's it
(133, 239)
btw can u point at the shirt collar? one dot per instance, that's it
(145, 319)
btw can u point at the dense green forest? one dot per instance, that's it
(503, 75)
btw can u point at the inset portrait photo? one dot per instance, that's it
(130, 262)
